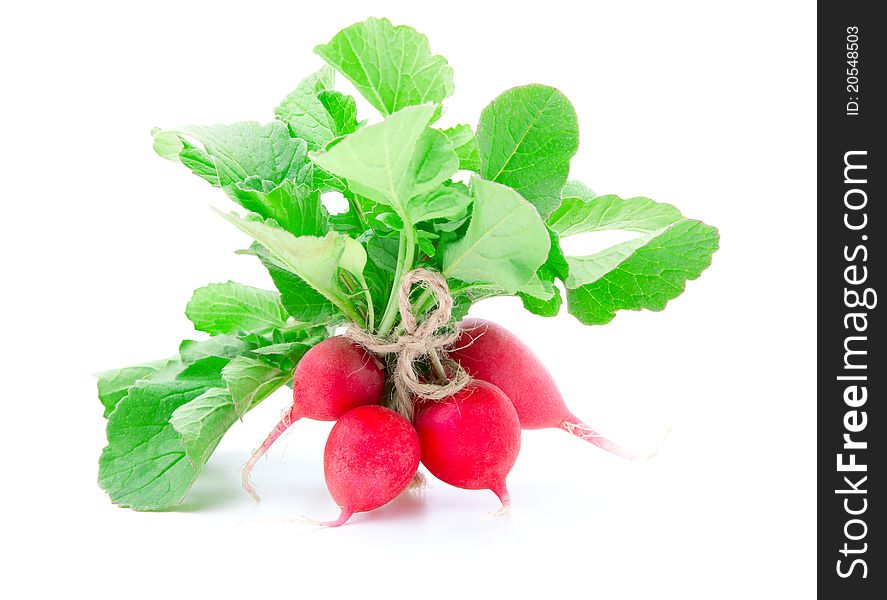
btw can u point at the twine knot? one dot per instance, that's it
(418, 340)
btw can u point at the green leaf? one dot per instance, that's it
(221, 308)
(382, 252)
(505, 242)
(342, 110)
(299, 299)
(582, 214)
(315, 260)
(390, 220)
(434, 161)
(392, 161)
(201, 423)
(354, 257)
(391, 66)
(356, 220)
(206, 367)
(554, 267)
(525, 140)
(170, 420)
(544, 307)
(226, 155)
(425, 240)
(445, 202)
(286, 355)
(223, 346)
(464, 144)
(577, 189)
(304, 112)
(296, 207)
(537, 288)
(250, 381)
(144, 466)
(113, 385)
(645, 272)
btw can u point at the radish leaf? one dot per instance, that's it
(315, 260)
(393, 161)
(300, 300)
(304, 112)
(226, 155)
(224, 346)
(444, 202)
(504, 244)
(391, 66)
(201, 423)
(554, 267)
(342, 110)
(144, 465)
(645, 272)
(465, 146)
(582, 214)
(169, 420)
(232, 307)
(526, 138)
(114, 384)
(250, 381)
(295, 207)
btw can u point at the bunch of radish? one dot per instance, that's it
(481, 210)
(469, 440)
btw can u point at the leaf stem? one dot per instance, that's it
(439, 370)
(348, 282)
(419, 306)
(351, 312)
(405, 252)
(355, 205)
(371, 315)
(297, 326)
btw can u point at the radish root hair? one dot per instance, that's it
(418, 483)
(503, 510)
(584, 432)
(283, 425)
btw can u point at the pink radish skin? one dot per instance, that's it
(471, 439)
(490, 352)
(332, 378)
(369, 459)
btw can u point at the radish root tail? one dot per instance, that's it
(343, 517)
(283, 425)
(666, 432)
(505, 499)
(584, 432)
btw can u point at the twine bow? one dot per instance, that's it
(417, 341)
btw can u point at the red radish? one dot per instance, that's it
(370, 458)
(490, 352)
(471, 439)
(332, 378)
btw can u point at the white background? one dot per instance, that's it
(695, 104)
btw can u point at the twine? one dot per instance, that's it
(418, 340)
